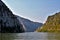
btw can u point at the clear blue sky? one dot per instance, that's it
(35, 10)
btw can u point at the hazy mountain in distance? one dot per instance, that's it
(8, 21)
(30, 26)
(52, 24)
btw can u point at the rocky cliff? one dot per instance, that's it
(30, 26)
(52, 24)
(8, 21)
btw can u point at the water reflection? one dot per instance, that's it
(30, 36)
(53, 36)
(7, 36)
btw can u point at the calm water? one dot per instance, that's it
(30, 36)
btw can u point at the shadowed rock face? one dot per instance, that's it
(30, 26)
(8, 21)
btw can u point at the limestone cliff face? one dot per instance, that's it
(8, 21)
(52, 24)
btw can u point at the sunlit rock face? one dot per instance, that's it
(8, 21)
(52, 24)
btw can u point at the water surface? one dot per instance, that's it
(30, 36)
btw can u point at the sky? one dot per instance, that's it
(35, 10)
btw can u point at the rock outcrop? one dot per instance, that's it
(8, 21)
(52, 24)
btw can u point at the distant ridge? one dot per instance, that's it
(30, 26)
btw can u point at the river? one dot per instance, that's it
(30, 36)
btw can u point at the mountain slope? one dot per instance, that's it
(8, 21)
(30, 26)
(52, 24)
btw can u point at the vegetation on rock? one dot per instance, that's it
(52, 24)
